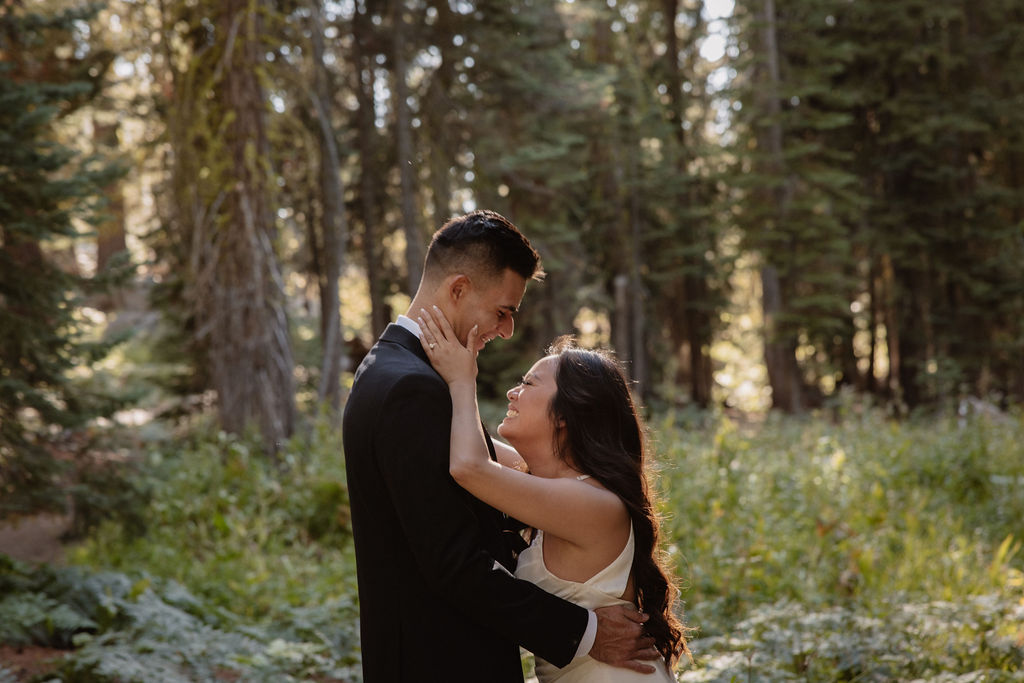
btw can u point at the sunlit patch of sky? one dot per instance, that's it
(123, 68)
(381, 96)
(342, 8)
(716, 15)
(429, 58)
(714, 48)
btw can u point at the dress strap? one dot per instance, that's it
(582, 477)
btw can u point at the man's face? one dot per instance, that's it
(491, 304)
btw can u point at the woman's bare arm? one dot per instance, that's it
(576, 511)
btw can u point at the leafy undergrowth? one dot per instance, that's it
(860, 550)
(978, 638)
(149, 629)
(244, 573)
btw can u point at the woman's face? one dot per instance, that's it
(528, 420)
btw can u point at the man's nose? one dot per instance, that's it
(506, 327)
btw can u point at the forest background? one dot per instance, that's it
(801, 224)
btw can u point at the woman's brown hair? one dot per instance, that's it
(605, 437)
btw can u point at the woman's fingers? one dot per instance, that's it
(430, 332)
(442, 321)
(428, 340)
(432, 326)
(427, 344)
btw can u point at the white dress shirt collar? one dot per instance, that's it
(409, 324)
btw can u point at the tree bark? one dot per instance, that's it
(110, 234)
(871, 383)
(368, 143)
(438, 110)
(637, 318)
(333, 224)
(780, 348)
(238, 295)
(621, 330)
(414, 247)
(110, 231)
(695, 331)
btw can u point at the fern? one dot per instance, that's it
(35, 619)
(161, 631)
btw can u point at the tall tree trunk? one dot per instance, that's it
(638, 317)
(871, 384)
(779, 356)
(110, 232)
(893, 331)
(437, 110)
(368, 142)
(621, 331)
(239, 295)
(333, 225)
(693, 288)
(780, 348)
(414, 248)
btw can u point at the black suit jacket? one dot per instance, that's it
(436, 597)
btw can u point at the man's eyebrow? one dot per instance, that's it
(510, 309)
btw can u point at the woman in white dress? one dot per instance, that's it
(575, 473)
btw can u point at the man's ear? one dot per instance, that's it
(458, 286)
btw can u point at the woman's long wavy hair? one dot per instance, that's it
(605, 438)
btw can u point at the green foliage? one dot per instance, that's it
(892, 201)
(861, 549)
(45, 186)
(932, 640)
(143, 629)
(831, 551)
(33, 618)
(244, 570)
(245, 532)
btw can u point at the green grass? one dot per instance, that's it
(811, 549)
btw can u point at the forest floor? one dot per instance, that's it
(34, 540)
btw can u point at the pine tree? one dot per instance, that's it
(801, 204)
(939, 123)
(884, 191)
(528, 115)
(43, 187)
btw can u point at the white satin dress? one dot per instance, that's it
(601, 590)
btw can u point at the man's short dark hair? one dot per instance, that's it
(482, 242)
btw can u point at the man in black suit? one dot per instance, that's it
(437, 597)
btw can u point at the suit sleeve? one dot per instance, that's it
(412, 445)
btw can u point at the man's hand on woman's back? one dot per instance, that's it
(620, 639)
